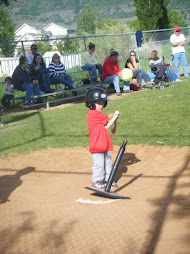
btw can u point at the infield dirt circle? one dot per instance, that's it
(39, 212)
(45, 208)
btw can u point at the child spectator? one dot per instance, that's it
(100, 143)
(8, 93)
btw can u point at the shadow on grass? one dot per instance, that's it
(182, 202)
(8, 183)
(42, 134)
(20, 117)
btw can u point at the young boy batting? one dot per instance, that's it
(100, 143)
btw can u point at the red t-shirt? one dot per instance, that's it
(110, 68)
(99, 138)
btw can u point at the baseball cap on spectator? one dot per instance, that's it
(176, 28)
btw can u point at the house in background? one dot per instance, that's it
(26, 29)
(29, 35)
(56, 30)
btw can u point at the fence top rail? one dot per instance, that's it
(91, 36)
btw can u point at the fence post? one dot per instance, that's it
(23, 49)
(84, 38)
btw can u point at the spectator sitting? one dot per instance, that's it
(22, 80)
(155, 62)
(8, 93)
(90, 62)
(133, 64)
(58, 73)
(111, 72)
(33, 52)
(41, 73)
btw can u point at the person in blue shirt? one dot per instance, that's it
(22, 80)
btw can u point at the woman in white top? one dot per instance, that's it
(89, 62)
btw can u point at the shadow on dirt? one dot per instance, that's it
(182, 204)
(8, 183)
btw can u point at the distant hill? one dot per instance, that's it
(39, 13)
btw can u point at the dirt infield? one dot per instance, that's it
(39, 212)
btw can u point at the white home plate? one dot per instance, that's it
(100, 202)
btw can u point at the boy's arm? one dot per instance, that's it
(113, 121)
(110, 116)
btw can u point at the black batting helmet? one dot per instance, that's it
(95, 94)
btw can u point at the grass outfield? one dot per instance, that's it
(153, 117)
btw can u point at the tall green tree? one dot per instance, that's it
(7, 29)
(87, 20)
(152, 14)
(174, 18)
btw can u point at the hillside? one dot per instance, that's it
(64, 12)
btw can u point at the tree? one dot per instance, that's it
(176, 18)
(152, 14)
(134, 25)
(108, 25)
(68, 46)
(6, 2)
(43, 47)
(87, 20)
(6, 33)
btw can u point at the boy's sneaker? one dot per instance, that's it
(114, 185)
(98, 185)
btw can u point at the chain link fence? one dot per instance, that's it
(123, 43)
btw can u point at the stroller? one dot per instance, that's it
(161, 76)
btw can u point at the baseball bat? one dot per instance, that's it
(115, 166)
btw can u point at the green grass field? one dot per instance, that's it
(158, 117)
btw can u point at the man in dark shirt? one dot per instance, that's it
(22, 80)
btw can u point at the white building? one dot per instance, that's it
(56, 30)
(29, 34)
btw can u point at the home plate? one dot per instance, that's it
(110, 194)
(100, 202)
